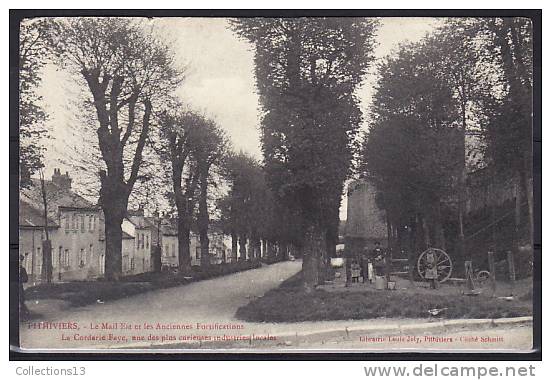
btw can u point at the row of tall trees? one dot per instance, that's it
(469, 80)
(307, 72)
(143, 134)
(192, 146)
(250, 213)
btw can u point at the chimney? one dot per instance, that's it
(62, 180)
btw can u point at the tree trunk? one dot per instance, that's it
(257, 248)
(157, 261)
(46, 243)
(250, 248)
(439, 228)
(184, 240)
(233, 247)
(529, 190)
(412, 251)
(243, 247)
(390, 243)
(518, 208)
(271, 251)
(46, 261)
(313, 250)
(264, 249)
(462, 188)
(113, 245)
(203, 220)
(114, 203)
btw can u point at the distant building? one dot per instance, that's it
(366, 222)
(78, 247)
(169, 243)
(31, 234)
(76, 229)
(137, 260)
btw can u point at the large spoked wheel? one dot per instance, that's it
(444, 264)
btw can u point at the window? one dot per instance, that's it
(198, 253)
(66, 223)
(132, 264)
(90, 223)
(147, 241)
(142, 241)
(173, 250)
(38, 261)
(167, 253)
(93, 223)
(82, 223)
(58, 261)
(66, 261)
(90, 252)
(72, 221)
(81, 258)
(102, 264)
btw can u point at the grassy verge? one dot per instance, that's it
(80, 293)
(289, 303)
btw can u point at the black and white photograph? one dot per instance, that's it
(276, 183)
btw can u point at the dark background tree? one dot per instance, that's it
(413, 150)
(35, 48)
(307, 72)
(179, 135)
(508, 127)
(128, 71)
(210, 151)
(249, 210)
(459, 91)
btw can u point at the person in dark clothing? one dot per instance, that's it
(364, 261)
(378, 258)
(23, 278)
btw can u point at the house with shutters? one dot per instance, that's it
(31, 234)
(138, 259)
(78, 245)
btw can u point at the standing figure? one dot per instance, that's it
(431, 269)
(23, 277)
(355, 271)
(365, 261)
(378, 259)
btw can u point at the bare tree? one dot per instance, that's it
(191, 144)
(210, 151)
(178, 138)
(128, 72)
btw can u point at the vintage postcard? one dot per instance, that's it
(275, 184)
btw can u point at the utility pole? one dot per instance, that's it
(46, 274)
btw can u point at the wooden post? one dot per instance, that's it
(469, 275)
(511, 262)
(388, 255)
(492, 270)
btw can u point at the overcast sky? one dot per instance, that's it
(220, 81)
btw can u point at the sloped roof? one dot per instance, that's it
(32, 217)
(56, 196)
(138, 221)
(127, 235)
